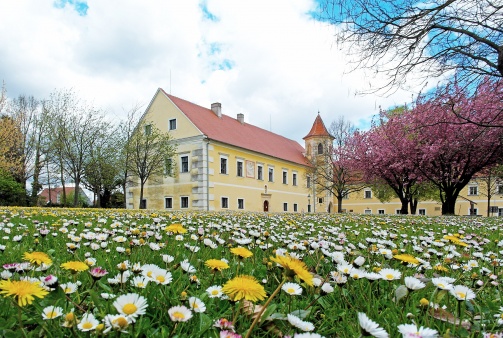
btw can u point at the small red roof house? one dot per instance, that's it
(55, 195)
(224, 163)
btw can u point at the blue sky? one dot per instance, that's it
(272, 61)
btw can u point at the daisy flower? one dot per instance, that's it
(187, 267)
(390, 274)
(246, 287)
(23, 291)
(441, 283)
(88, 322)
(51, 312)
(69, 287)
(412, 283)
(411, 331)
(462, 292)
(117, 323)
(299, 323)
(140, 282)
(131, 305)
(197, 305)
(223, 323)
(179, 313)
(293, 289)
(98, 272)
(370, 327)
(214, 291)
(162, 276)
(307, 335)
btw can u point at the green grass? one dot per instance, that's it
(333, 315)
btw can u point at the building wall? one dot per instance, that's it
(357, 203)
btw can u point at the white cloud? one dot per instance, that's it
(269, 60)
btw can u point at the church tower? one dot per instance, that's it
(318, 145)
(318, 140)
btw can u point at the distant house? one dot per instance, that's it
(56, 196)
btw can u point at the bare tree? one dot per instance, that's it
(434, 38)
(492, 178)
(150, 151)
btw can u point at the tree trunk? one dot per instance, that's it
(76, 193)
(105, 199)
(35, 185)
(62, 182)
(339, 204)
(413, 206)
(405, 206)
(449, 201)
(142, 206)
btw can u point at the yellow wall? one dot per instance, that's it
(357, 203)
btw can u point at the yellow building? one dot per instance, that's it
(472, 200)
(224, 163)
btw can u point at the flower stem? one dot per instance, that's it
(278, 289)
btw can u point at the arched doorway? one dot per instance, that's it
(266, 205)
(330, 207)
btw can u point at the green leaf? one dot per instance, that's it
(400, 292)
(301, 313)
(204, 323)
(105, 287)
(440, 295)
(270, 310)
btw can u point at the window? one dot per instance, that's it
(285, 177)
(308, 183)
(493, 210)
(294, 179)
(172, 124)
(398, 211)
(148, 129)
(271, 174)
(185, 164)
(472, 212)
(500, 189)
(473, 190)
(168, 202)
(168, 166)
(285, 206)
(380, 211)
(184, 202)
(422, 211)
(368, 194)
(367, 212)
(260, 172)
(500, 212)
(143, 204)
(241, 203)
(223, 165)
(320, 200)
(225, 202)
(295, 207)
(130, 194)
(320, 148)
(239, 168)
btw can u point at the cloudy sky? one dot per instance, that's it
(271, 60)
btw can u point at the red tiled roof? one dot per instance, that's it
(318, 128)
(229, 130)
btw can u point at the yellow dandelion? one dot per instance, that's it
(75, 266)
(455, 240)
(23, 291)
(176, 228)
(294, 266)
(406, 258)
(216, 264)
(241, 252)
(246, 287)
(38, 258)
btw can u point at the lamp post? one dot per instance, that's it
(309, 203)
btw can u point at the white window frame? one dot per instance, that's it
(241, 207)
(367, 211)
(295, 207)
(181, 163)
(166, 204)
(238, 163)
(170, 122)
(222, 202)
(285, 206)
(284, 178)
(421, 210)
(365, 193)
(260, 172)
(270, 174)
(181, 202)
(476, 188)
(380, 211)
(226, 165)
(294, 179)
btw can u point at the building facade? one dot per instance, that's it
(223, 163)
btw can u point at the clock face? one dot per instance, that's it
(250, 169)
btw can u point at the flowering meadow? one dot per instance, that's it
(82, 273)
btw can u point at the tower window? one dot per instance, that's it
(320, 148)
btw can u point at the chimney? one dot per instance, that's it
(217, 109)
(241, 118)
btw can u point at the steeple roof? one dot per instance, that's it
(318, 129)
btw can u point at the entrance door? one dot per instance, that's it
(266, 205)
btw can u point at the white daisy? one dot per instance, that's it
(462, 292)
(88, 322)
(179, 313)
(293, 289)
(140, 282)
(412, 283)
(299, 323)
(214, 291)
(370, 327)
(411, 331)
(197, 305)
(51, 312)
(131, 305)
